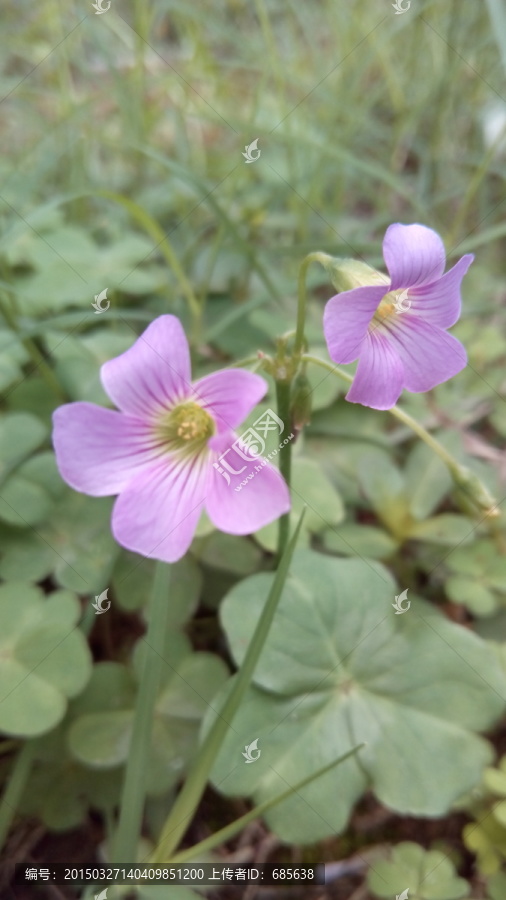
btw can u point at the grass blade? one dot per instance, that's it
(189, 796)
(224, 834)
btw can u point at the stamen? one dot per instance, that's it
(188, 426)
(392, 303)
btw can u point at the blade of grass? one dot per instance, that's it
(191, 793)
(77, 321)
(35, 354)
(151, 226)
(225, 834)
(497, 13)
(233, 316)
(232, 227)
(15, 788)
(134, 786)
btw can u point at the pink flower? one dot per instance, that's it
(157, 452)
(397, 329)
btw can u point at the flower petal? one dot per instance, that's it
(346, 320)
(99, 451)
(255, 496)
(429, 354)
(379, 377)
(439, 303)
(230, 395)
(155, 373)
(158, 512)
(413, 255)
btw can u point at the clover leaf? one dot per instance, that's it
(494, 781)
(478, 577)
(60, 790)
(339, 667)
(74, 544)
(403, 500)
(486, 836)
(12, 357)
(496, 886)
(311, 489)
(352, 539)
(30, 493)
(44, 658)
(487, 840)
(78, 360)
(229, 552)
(133, 574)
(100, 733)
(425, 874)
(56, 278)
(20, 434)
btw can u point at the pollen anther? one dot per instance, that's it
(187, 426)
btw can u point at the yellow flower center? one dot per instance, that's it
(392, 303)
(186, 427)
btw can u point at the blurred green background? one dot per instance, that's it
(363, 117)
(122, 169)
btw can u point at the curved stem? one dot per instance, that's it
(469, 483)
(322, 258)
(394, 411)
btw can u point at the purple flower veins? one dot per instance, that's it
(157, 452)
(396, 327)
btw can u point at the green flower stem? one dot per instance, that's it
(322, 258)
(225, 834)
(189, 797)
(283, 393)
(15, 788)
(134, 786)
(464, 479)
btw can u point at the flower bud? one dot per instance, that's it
(347, 274)
(473, 494)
